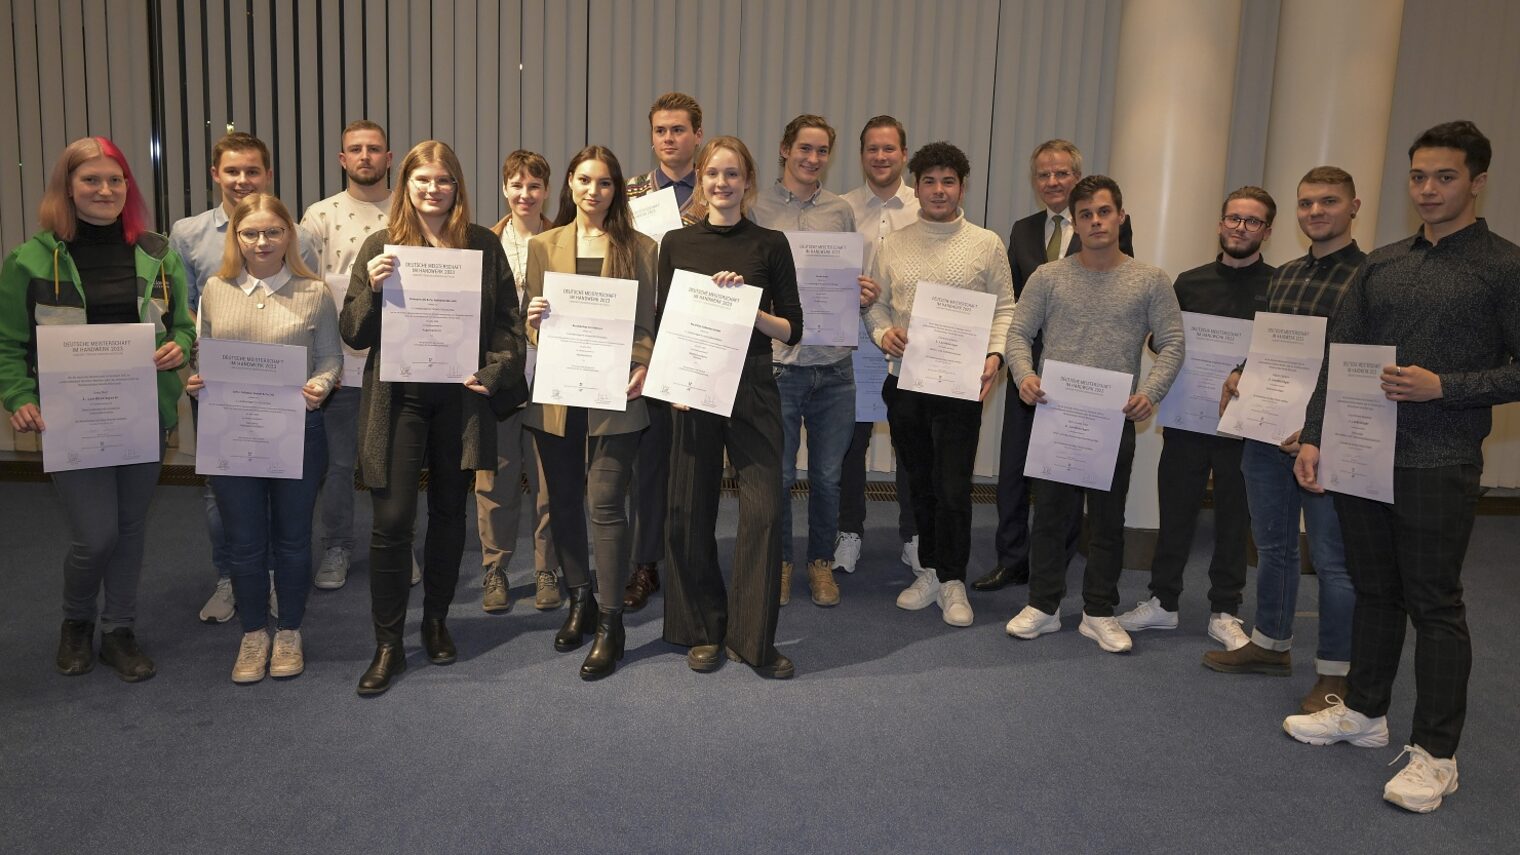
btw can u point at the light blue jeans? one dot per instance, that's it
(822, 397)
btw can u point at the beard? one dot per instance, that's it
(362, 181)
(1246, 251)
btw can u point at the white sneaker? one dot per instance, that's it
(952, 603)
(253, 655)
(1148, 615)
(1032, 623)
(416, 570)
(923, 591)
(333, 571)
(846, 551)
(1422, 784)
(1228, 630)
(1338, 723)
(288, 659)
(1107, 632)
(222, 605)
(910, 555)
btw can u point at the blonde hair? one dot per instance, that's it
(232, 256)
(406, 223)
(737, 146)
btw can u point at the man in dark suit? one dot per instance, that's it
(1055, 167)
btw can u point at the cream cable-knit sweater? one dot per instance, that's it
(957, 254)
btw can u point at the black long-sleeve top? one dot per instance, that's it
(107, 267)
(762, 256)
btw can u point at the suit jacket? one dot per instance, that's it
(1026, 246)
(554, 250)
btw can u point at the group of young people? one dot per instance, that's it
(1065, 287)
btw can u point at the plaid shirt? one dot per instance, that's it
(1314, 286)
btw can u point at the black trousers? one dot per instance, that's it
(597, 468)
(935, 439)
(651, 478)
(1187, 459)
(1405, 561)
(699, 608)
(427, 424)
(852, 489)
(1055, 506)
(1012, 539)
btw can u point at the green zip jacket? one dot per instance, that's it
(40, 285)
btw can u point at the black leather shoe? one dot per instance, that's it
(580, 621)
(606, 648)
(777, 668)
(644, 581)
(1001, 577)
(75, 655)
(389, 662)
(437, 642)
(118, 649)
(704, 658)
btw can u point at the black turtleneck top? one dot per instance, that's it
(107, 272)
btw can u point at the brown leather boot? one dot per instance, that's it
(786, 582)
(1251, 659)
(821, 583)
(1319, 696)
(644, 581)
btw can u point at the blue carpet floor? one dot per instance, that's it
(899, 734)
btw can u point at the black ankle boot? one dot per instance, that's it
(606, 648)
(75, 655)
(579, 623)
(437, 642)
(389, 661)
(118, 649)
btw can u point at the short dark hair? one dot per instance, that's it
(523, 160)
(1331, 175)
(1255, 194)
(239, 141)
(678, 101)
(795, 126)
(364, 125)
(1463, 136)
(1089, 187)
(936, 155)
(884, 121)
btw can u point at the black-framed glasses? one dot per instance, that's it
(1250, 224)
(251, 236)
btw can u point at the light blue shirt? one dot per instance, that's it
(201, 242)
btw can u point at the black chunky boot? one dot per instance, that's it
(389, 661)
(579, 622)
(75, 655)
(118, 649)
(606, 648)
(438, 643)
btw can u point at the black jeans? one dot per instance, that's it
(852, 489)
(1012, 539)
(1182, 476)
(427, 424)
(935, 439)
(699, 608)
(1055, 505)
(651, 480)
(1405, 561)
(605, 482)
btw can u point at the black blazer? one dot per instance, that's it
(1026, 246)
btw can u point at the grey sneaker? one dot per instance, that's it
(494, 599)
(288, 660)
(333, 571)
(222, 606)
(546, 595)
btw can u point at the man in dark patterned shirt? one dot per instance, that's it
(1311, 285)
(1448, 299)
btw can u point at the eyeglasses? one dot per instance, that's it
(443, 183)
(1250, 224)
(251, 236)
(1059, 175)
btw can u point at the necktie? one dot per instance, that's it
(1053, 249)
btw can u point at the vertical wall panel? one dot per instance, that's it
(71, 69)
(554, 99)
(314, 129)
(50, 92)
(14, 221)
(34, 163)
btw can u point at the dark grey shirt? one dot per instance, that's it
(1452, 308)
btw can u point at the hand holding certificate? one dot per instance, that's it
(585, 342)
(1214, 346)
(1281, 371)
(947, 341)
(704, 336)
(1077, 428)
(430, 317)
(828, 273)
(252, 415)
(99, 395)
(1357, 440)
(656, 213)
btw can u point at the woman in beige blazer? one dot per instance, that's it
(589, 452)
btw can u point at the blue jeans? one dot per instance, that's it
(1275, 500)
(341, 416)
(823, 398)
(263, 516)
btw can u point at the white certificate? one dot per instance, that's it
(1076, 432)
(252, 415)
(1281, 371)
(1214, 346)
(704, 338)
(99, 393)
(1361, 424)
(353, 360)
(870, 374)
(947, 341)
(828, 272)
(430, 319)
(656, 213)
(586, 343)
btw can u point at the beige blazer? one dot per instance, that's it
(554, 250)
